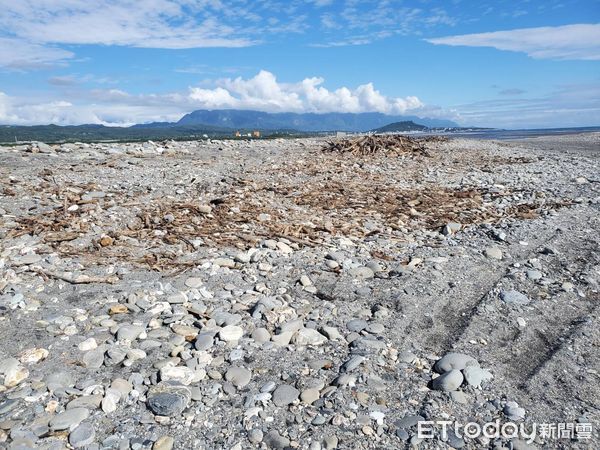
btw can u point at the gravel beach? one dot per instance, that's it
(270, 294)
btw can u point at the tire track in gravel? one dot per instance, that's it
(450, 313)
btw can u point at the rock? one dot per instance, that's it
(285, 394)
(231, 333)
(33, 355)
(308, 336)
(261, 335)
(180, 374)
(513, 411)
(448, 381)
(255, 436)
(177, 299)
(118, 309)
(332, 333)
(188, 332)
(59, 380)
(88, 344)
(110, 400)
(353, 363)
(194, 282)
(129, 332)
(514, 297)
(456, 361)
(225, 262)
(238, 376)
(82, 436)
(330, 442)
(407, 357)
(361, 272)
(94, 359)
(282, 339)
(274, 440)
(309, 396)
(474, 376)
(170, 401)
(122, 386)
(356, 325)
(204, 341)
(15, 375)
(493, 252)
(29, 259)
(164, 443)
(451, 228)
(68, 419)
(534, 275)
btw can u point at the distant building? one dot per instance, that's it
(256, 134)
(340, 134)
(238, 134)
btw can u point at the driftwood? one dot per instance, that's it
(69, 277)
(385, 144)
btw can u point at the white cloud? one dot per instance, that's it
(149, 23)
(21, 55)
(265, 93)
(578, 41)
(262, 92)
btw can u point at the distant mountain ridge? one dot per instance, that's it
(246, 119)
(407, 125)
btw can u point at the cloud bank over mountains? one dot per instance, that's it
(262, 92)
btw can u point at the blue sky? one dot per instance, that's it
(512, 64)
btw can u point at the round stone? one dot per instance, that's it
(309, 396)
(238, 376)
(68, 419)
(285, 395)
(449, 381)
(168, 400)
(456, 361)
(82, 435)
(514, 297)
(164, 443)
(231, 333)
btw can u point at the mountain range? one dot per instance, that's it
(222, 123)
(248, 119)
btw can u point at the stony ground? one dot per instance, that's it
(268, 294)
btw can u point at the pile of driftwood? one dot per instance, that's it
(391, 145)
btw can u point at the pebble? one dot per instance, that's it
(275, 440)
(309, 396)
(194, 282)
(164, 443)
(361, 272)
(33, 355)
(261, 335)
(474, 376)
(448, 381)
(88, 344)
(456, 361)
(231, 333)
(513, 411)
(308, 336)
(170, 401)
(514, 297)
(493, 252)
(82, 436)
(129, 332)
(238, 376)
(68, 419)
(534, 275)
(285, 394)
